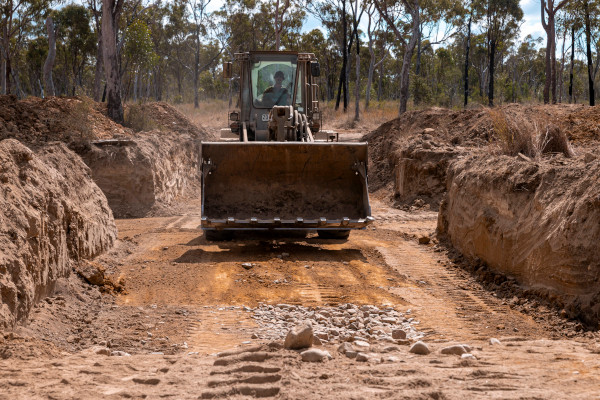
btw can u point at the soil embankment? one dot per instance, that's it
(409, 156)
(517, 197)
(534, 221)
(142, 167)
(145, 174)
(51, 214)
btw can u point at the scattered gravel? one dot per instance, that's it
(344, 323)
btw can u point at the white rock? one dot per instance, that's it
(456, 349)
(345, 347)
(299, 337)
(494, 341)
(468, 356)
(119, 353)
(360, 345)
(315, 355)
(420, 348)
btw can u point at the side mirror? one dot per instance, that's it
(315, 68)
(227, 67)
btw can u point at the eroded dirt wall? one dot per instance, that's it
(51, 213)
(535, 221)
(149, 172)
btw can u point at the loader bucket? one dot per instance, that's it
(284, 185)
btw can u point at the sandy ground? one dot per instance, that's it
(185, 302)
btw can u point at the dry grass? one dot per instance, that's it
(552, 139)
(138, 119)
(532, 138)
(211, 115)
(377, 114)
(513, 137)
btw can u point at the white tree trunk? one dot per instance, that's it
(49, 64)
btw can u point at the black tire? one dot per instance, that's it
(218, 236)
(334, 234)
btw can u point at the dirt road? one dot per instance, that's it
(188, 298)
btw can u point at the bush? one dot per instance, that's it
(512, 138)
(137, 118)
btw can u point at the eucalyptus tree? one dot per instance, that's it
(15, 18)
(500, 22)
(111, 10)
(398, 15)
(75, 44)
(549, 9)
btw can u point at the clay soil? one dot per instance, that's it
(187, 299)
(184, 302)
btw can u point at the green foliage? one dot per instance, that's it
(139, 48)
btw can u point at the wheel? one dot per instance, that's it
(217, 236)
(334, 234)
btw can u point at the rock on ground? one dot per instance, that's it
(51, 214)
(299, 337)
(455, 349)
(420, 348)
(315, 355)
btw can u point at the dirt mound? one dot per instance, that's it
(163, 117)
(534, 221)
(37, 121)
(51, 213)
(583, 125)
(399, 159)
(150, 171)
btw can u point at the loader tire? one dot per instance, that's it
(217, 236)
(334, 234)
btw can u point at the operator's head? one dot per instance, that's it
(279, 77)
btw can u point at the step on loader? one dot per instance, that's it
(270, 171)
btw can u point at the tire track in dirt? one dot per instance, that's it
(446, 304)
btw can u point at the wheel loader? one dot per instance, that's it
(270, 171)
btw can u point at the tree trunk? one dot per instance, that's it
(572, 64)
(196, 68)
(110, 11)
(562, 69)
(553, 62)
(549, 38)
(588, 39)
(277, 31)
(343, 80)
(357, 89)
(97, 92)
(408, 53)
(370, 75)
(468, 48)
(491, 67)
(135, 86)
(380, 85)
(49, 64)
